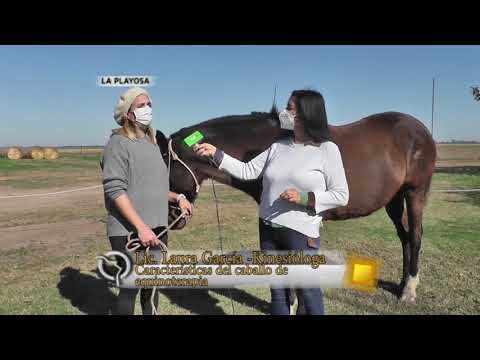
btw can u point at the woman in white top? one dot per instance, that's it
(303, 176)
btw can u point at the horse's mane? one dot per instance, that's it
(256, 115)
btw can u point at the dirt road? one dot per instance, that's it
(50, 219)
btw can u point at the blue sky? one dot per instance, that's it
(49, 96)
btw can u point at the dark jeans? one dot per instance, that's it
(125, 304)
(272, 238)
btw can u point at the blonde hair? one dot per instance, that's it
(128, 130)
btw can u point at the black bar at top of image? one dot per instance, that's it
(249, 23)
(256, 30)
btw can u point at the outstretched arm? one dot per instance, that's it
(241, 170)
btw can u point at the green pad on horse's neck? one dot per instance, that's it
(193, 139)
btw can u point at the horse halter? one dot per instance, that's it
(172, 154)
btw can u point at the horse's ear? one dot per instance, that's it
(274, 110)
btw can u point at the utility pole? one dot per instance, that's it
(433, 102)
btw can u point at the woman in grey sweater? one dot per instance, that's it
(136, 186)
(303, 176)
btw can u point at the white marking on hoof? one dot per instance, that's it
(409, 291)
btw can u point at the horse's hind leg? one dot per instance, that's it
(415, 203)
(398, 214)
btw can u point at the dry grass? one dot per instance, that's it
(458, 151)
(81, 150)
(458, 155)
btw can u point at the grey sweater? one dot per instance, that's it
(137, 169)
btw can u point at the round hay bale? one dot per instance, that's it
(14, 153)
(50, 153)
(37, 153)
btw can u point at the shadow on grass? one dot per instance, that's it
(245, 298)
(391, 287)
(199, 301)
(93, 296)
(367, 305)
(88, 294)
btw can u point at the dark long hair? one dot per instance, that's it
(311, 112)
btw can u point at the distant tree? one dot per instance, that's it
(476, 92)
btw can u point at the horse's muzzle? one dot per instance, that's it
(173, 214)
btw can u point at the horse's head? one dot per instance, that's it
(173, 211)
(242, 136)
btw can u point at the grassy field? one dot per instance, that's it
(71, 169)
(60, 278)
(80, 167)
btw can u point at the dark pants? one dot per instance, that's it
(125, 304)
(284, 239)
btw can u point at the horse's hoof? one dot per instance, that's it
(408, 298)
(409, 292)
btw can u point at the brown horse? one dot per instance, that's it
(389, 159)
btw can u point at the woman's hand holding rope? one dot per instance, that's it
(147, 237)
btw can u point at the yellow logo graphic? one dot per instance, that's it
(362, 273)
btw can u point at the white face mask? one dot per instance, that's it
(143, 115)
(287, 120)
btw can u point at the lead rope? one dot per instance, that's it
(154, 290)
(133, 244)
(136, 243)
(221, 240)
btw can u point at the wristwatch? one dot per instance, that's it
(180, 196)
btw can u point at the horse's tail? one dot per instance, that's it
(429, 180)
(427, 190)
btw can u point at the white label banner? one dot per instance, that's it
(125, 80)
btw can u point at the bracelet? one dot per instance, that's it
(180, 196)
(303, 198)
